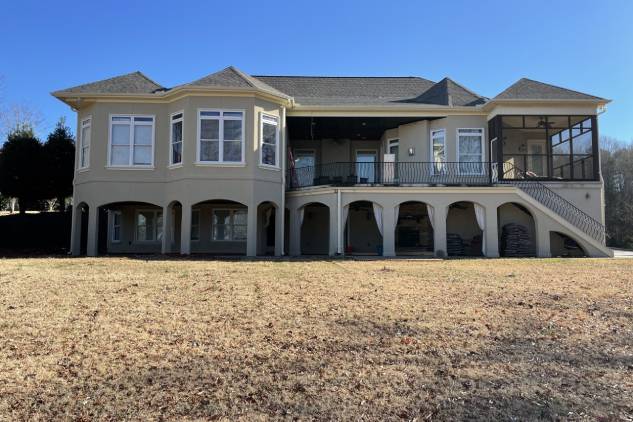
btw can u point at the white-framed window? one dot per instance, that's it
(175, 138)
(269, 142)
(131, 141)
(115, 228)
(438, 150)
(221, 136)
(195, 224)
(84, 143)
(228, 224)
(149, 225)
(470, 150)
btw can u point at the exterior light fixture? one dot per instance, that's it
(411, 152)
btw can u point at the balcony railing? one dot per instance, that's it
(393, 174)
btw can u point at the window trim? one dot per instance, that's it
(220, 162)
(82, 125)
(431, 152)
(483, 150)
(393, 142)
(232, 210)
(114, 213)
(155, 212)
(131, 165)
(181, 119)
(275, 166)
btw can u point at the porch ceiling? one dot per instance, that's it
(345, 127)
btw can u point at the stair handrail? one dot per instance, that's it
(583, 221)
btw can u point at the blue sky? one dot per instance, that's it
(485, 45)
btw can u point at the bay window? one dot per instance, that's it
(175, 152)
(438, 150)
(229, 225)
(84, 143)
(149, 225)
(131, 141)
(470, 150)
(269, 131)
(220, 136)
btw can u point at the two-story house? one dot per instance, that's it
(272, 165)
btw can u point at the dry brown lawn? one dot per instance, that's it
(125, 338)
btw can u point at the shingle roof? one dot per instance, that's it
(324, 90)
(528, 89)
(449, 93)
(232, 77)
(132, 83)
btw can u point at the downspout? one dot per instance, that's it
(283, 157)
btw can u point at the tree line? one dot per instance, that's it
(617, 172)
(32, 171)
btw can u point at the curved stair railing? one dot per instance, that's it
(543, 194)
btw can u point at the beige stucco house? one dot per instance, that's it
(273, 165)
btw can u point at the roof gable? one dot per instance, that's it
(231, 77)
(449, 93)
(131, 83)
(528, 89)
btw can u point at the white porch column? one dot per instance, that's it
(333, 231)
(388, 231)
(185, 229)
(439, 230)
(279, 231)
(75, 231)
(543, 247)
(295, 233)
(93, 231)
(167, 234)
(251, 231)
(492, 233)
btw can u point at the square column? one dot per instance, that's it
(279, 232)
(333, 232)
(75, 231)
(492, 233)
(251, 231)
(388, 231)
(185, 229)
(167, 233)
(543, 248)
(93, 231)
(439, 230)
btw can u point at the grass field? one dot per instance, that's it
(124, 338)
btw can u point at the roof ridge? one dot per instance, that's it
(342, 77)
(147, 78)
(470, 91)
(241, 74)
(557, 86)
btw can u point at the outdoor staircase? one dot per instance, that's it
(550, 199)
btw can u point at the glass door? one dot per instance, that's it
(366, 166)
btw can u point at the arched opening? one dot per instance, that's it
(564, 246)
(363, 229)
(219, 227)
(266, 228)
(517, 231)
(464, 236)
(82, 211)
(314, 223)
(414, 229)
(130, 228)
